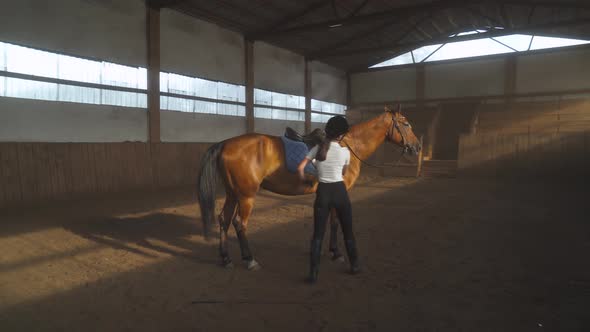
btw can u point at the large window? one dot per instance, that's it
(321, 111)
(35, 74)
(193, 94)
(478, 47)
(278, 106)
(43, 75)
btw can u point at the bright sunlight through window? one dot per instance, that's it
(479, 47)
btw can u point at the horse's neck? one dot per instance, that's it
(366, 137)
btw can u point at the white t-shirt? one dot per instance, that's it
(330, 170)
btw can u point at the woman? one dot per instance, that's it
(331, 161)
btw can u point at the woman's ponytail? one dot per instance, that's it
(335, 127)
(323, 148)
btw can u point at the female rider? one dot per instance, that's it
(331, 161)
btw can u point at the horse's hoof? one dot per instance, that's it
(253, 265)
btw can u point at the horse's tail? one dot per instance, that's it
(208, 176)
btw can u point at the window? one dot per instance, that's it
(467, 49)
(209, 96)
(264, 113)
(322, 111)
(24, 60)
(479, 47)
(278, 106)
(64, 78)
(20, 88)
(519, 43)
(540, 42)
(29, 61)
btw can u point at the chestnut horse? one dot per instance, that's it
(248, 162)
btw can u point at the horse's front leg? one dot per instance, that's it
(334, 252)
(245, 206)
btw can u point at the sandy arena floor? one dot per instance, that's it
(438, 255)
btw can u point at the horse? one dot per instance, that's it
(252, 161)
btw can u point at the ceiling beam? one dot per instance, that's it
(347, 41)
(275, 32)
(492, 22)
(405, 11)
(423, 32)
(359, 8)
(554, 4)
(451, 20)
(400, 48)
(390, 55)
(505, 17)
(531, 13)
(332, 47)
(436, 26)
(289, 19)
(474, 22)
(368, 18)
(164, 3)
(202, 14)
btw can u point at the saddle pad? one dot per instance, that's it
(294, 154)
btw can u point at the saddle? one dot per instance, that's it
(312, 139)
(297, 146)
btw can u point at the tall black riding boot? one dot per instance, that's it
(314, 260)
(352, 256)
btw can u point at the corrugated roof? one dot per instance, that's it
(354, 34)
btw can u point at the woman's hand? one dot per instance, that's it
(301, 168)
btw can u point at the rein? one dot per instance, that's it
(376, 166)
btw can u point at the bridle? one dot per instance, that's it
(402, 133)
(389, 135)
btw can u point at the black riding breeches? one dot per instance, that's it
(328, 196)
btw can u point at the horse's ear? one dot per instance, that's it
(387, 109)
(398, 109)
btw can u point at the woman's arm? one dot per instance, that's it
(346, 162)
(301, 168)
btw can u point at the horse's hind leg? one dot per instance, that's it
(225, 218)
(336, 255)
(245, 206)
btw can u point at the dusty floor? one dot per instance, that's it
(438, 255)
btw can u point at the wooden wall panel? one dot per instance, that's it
(559, 155)
(27, 172)
(33, 172)
(10, 190)
(535, 117)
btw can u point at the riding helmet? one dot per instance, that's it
(336, 126)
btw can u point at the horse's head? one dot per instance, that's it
(401, 132)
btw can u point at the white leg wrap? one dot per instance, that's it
(253, 265)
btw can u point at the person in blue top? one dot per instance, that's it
(331, 161)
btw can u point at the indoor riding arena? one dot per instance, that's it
(468, 178)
